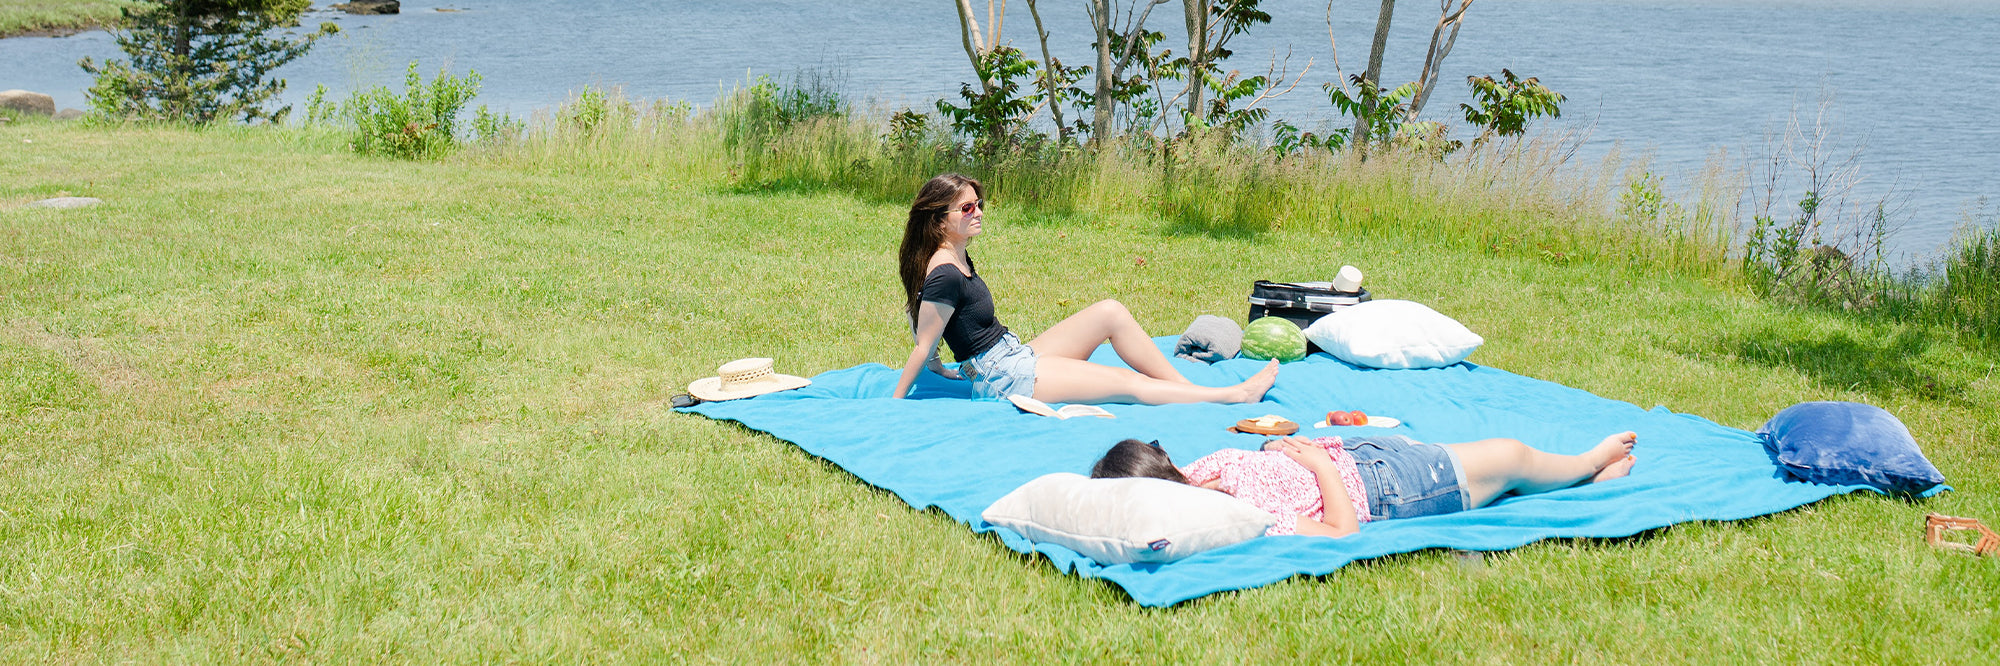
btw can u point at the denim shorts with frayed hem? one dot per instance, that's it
(1007, 368)
(1407, 478)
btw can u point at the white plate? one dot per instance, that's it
(1373, 422)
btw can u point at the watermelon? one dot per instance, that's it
(1274, 337)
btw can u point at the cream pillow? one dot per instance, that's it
(1393, 334)
(1117, 521)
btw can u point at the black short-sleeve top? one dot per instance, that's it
(972, 328)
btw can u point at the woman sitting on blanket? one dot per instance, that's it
(945, 298)
(1372, 478)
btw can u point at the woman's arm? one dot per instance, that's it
(931, 317)
(1337, 511)
(937, 365)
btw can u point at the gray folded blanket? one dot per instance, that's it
(1210, 339)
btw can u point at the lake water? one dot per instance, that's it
(1914, 84)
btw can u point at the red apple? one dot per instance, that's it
(1357, 418)
(1339, 418)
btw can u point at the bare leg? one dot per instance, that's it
(1059, 379)
(1080, 334)
(1494, 467)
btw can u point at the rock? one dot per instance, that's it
(67, 202)
(369, 7)
(28, 102)
(68, 114)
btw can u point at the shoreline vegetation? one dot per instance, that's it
(57, 18)
(277, 400)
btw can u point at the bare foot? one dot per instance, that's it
(1258, 384)
(1612, 449)
(1616, 469)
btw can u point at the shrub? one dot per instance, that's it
(1383, 108)
(1791, 260)
(1827, 249)
(492, 128)
(587, 112)
(421, 123)
(753, 116)
(766, 119)
(996, 119)
(1506, 106)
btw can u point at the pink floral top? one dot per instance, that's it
(1278, 485)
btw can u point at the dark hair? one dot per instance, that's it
(1132, 458)
(922, 234)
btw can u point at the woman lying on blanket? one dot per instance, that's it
(946, 298)
(1377, 477)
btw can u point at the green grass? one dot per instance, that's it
(273, 401)
(25, 16)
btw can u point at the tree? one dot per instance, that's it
(979, 45)
(1109, 68)
(1195, 13)
(200, 61)
(1056, 80)
(996, 118)
(1373, 75)
(1100, 22)
(1450, 14)
(1211, 24)
(997, 115)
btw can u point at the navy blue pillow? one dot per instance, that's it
(1848, 443)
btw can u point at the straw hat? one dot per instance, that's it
(743, 378)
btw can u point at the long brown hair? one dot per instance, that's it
(922, 234)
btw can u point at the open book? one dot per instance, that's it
(1033, 406)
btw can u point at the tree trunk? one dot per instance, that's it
(1374, 73)
(1049, 73)
(975, 46)
(994, 20)
(1100, 123)
(1441, 44)
(1196, 12)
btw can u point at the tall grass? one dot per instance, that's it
(1517, 197)
(1971, 290)
(1523, 198)
(1507, 197)
(603, 131)
(22, 16)
(1959, 292)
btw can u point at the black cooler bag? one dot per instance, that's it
(1301, 302)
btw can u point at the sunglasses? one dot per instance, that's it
(967, 207)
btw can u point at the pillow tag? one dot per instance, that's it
(1159, 544)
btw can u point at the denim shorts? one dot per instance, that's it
(1007, 368)
(1407, 478)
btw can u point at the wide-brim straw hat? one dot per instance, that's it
(743, 378)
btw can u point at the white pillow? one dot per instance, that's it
(1116, 521)
(1393, 334)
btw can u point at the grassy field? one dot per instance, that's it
(272, 401)
(34, 16)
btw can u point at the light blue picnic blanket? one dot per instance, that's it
(958, 454)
